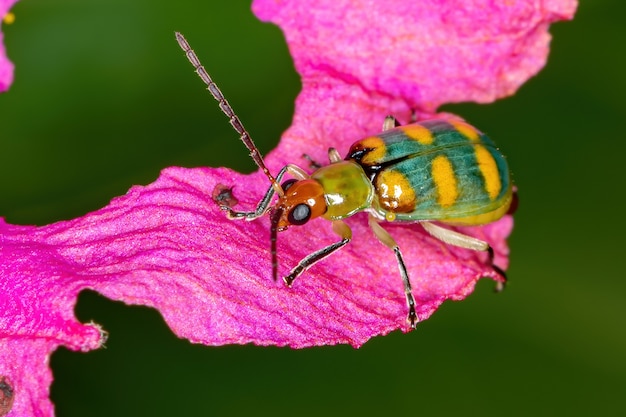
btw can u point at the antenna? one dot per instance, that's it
(228, 110)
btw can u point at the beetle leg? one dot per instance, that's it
(341, 229)
(390, 122)
(313, 164)
(499, 285)
(262, 206)
(455, 238)
(333, 155)
(385, 238)
(463, 241)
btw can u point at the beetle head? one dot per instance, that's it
(301, 201)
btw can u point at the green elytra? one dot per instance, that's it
(383, 176)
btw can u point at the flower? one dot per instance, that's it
(6, 67)
(169, 246)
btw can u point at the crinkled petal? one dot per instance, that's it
(169, 246)
(425, 52)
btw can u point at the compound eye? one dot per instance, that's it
(299, 215)
(287, 184)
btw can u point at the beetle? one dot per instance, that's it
(443, 171)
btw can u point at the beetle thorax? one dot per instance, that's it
(347, 190)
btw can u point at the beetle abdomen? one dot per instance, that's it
(436, 170)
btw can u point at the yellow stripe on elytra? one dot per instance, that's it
(484, 218)
(377, 152)
(489, 169)
(395, 192)
(418, 133)
(466, 130)
(445, 181)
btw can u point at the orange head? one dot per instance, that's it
(301, 201)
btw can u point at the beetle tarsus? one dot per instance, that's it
(295, 273)
(313, 164)
(500, 285)
(232, 214)
(411, 318)
(289, 279)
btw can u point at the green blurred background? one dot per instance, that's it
(103, 99)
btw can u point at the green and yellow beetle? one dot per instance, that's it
(434, 170)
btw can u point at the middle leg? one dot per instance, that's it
(385, 238)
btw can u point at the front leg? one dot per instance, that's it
(262, 206)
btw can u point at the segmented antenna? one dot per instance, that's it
(227, 109)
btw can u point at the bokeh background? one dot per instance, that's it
(103, 99)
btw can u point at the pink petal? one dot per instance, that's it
(6, 66)
(425, 53)
(169, 246)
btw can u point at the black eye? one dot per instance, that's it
(285, 185)
(299, 215)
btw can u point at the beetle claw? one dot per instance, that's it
(230, 214)
(288, 280)
(499, 286)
